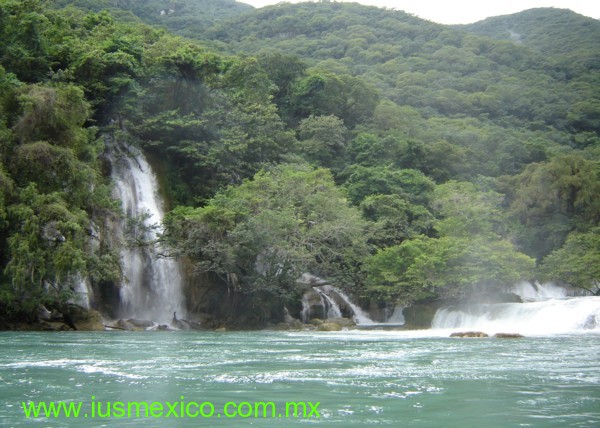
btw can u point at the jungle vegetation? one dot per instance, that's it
(403, 159)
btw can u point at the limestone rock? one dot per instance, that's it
(140, 323)
(469, 334)
(292, 325)
(84, 319)
(508, 335)
(329, 326)
(126, 325)
(344, 322)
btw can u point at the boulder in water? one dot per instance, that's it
(344, 322)
(79, 318)
(126, 325)
(179, 324)
(91, 322)
(590, 323)
(140, 323)
(329, 326)
(508, 335)
(293, 325)
(48, 326)
(469, 334)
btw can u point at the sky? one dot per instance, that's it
(465, 11)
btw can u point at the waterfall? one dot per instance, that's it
(81, 292)
(538, 292)
(359, 315)
(397, 316)
(332, 308)
(533, 318)
(330, 299)
(152, 286)
(305, 313)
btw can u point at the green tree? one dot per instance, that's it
(323, 94)
(577, 262)
(447, 267)
(469, 257)
(260, 237)
(23, 47)
(322, 140)
(551, 199)
(465, 211)
(46, 249)
(283, 70)
(393, 220)
(53, 113)
(412, 185)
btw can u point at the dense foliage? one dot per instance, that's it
(260, 237)
(579, 36)
(185, 17)
(403, 159)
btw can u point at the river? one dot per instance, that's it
(350, 378)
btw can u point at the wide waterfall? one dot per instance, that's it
(545, 310)
(152, 285)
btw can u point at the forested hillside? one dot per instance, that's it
(184, 17)
(402, 159)
(562, 36)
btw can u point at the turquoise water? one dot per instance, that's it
(360, 378)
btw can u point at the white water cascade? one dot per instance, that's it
(397, 316)
(333, 301)
(360, 317)
(152, 285)
(332, 308)
(529, 292)
(542, 313)
(305, 312)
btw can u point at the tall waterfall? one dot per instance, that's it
(152, 285)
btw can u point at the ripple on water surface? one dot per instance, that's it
(361, 378)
